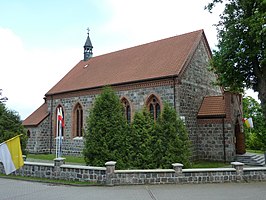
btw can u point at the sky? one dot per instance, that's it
(40, 41)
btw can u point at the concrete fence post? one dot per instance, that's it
(239, 170)
(178, 168)
(110, 171)
(57, 163)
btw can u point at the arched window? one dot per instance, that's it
(127, 109)
(28, 134)
(60, 121)
(78, 121)
(154, 107)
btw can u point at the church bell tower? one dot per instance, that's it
(88, 48)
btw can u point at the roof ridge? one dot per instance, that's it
(161, 58)
(147, 43)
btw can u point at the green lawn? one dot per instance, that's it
(255, 151)
(209, 164)
(73, 159)
(69, 159)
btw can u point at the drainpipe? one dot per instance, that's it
(51, 125)
(174, 93)
(224, 142)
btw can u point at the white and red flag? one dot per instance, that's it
(59, 135)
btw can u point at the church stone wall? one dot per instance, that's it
(213, 138)
(39, 137)
(196, 82)
(137, 97)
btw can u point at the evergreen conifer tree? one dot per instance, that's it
(172, 142)
(141, 138)
(106, 131)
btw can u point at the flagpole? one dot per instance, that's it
(56, 138)
(60, 134)
(60, 138)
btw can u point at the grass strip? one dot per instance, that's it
(209, 164)
(50, 181)
(73, 159)
(255, 151)
(69, 159)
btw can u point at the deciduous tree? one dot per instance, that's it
(240, 57)
(256, 136)
(11, 125)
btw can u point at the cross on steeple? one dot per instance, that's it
(88, 47)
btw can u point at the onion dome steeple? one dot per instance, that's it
(88, 48)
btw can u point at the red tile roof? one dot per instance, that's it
(212, 107)
(37, 116)
(153, 60)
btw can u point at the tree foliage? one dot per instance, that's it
(10, 126)
(144, 144)
(141, 141)
(240, 58)
(106, 131)
(172, 143)
(255, 137)
(2, 99)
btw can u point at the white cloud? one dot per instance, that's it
(137, 22)
(26, 75)
(254, 95)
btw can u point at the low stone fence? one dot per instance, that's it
(109, 176)
(60, 171)
(178, 175)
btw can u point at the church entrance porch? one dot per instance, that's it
(240, 140)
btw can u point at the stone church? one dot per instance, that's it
(173, 70)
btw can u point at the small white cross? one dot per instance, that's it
(88, 29)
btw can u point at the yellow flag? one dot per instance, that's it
(11, 154)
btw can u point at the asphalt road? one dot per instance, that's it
(18, 190)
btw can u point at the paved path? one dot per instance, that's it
(23, 190)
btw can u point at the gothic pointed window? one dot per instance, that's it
(127, 109)
(78, 121)
(154, 107)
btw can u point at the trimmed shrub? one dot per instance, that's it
(105, 135)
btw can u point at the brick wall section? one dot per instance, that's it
(109, 176)
(234, 111)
